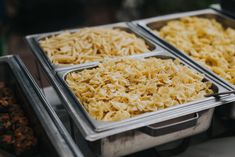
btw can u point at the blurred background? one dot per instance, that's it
(22, 17)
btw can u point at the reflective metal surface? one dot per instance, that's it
(53, 139)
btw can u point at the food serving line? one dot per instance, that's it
(118, 138)
(154, 128)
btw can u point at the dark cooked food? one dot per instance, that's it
(16, 136)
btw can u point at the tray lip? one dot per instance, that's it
(143, 24)
(178, 15)
(57, 134)
(91, 135)
(34, 39)
(101, 125)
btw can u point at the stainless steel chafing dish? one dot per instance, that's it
(52, 137)
(158, 22)
(102, 125)
(152, 129)
(121, 138)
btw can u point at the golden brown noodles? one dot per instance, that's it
(91, 44)
(206, 41)
(124, 88)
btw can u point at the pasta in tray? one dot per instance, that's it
(91, 44)
(123, 88)
(206, 41)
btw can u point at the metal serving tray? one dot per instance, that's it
(52, 137)
(33, 41)
(158, 22)
(101, 125)
(94, 129)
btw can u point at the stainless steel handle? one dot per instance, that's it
(219, 94)
(171, 126)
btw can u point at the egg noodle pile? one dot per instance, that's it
(124, 88)
(91, 44)
(206, 41)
